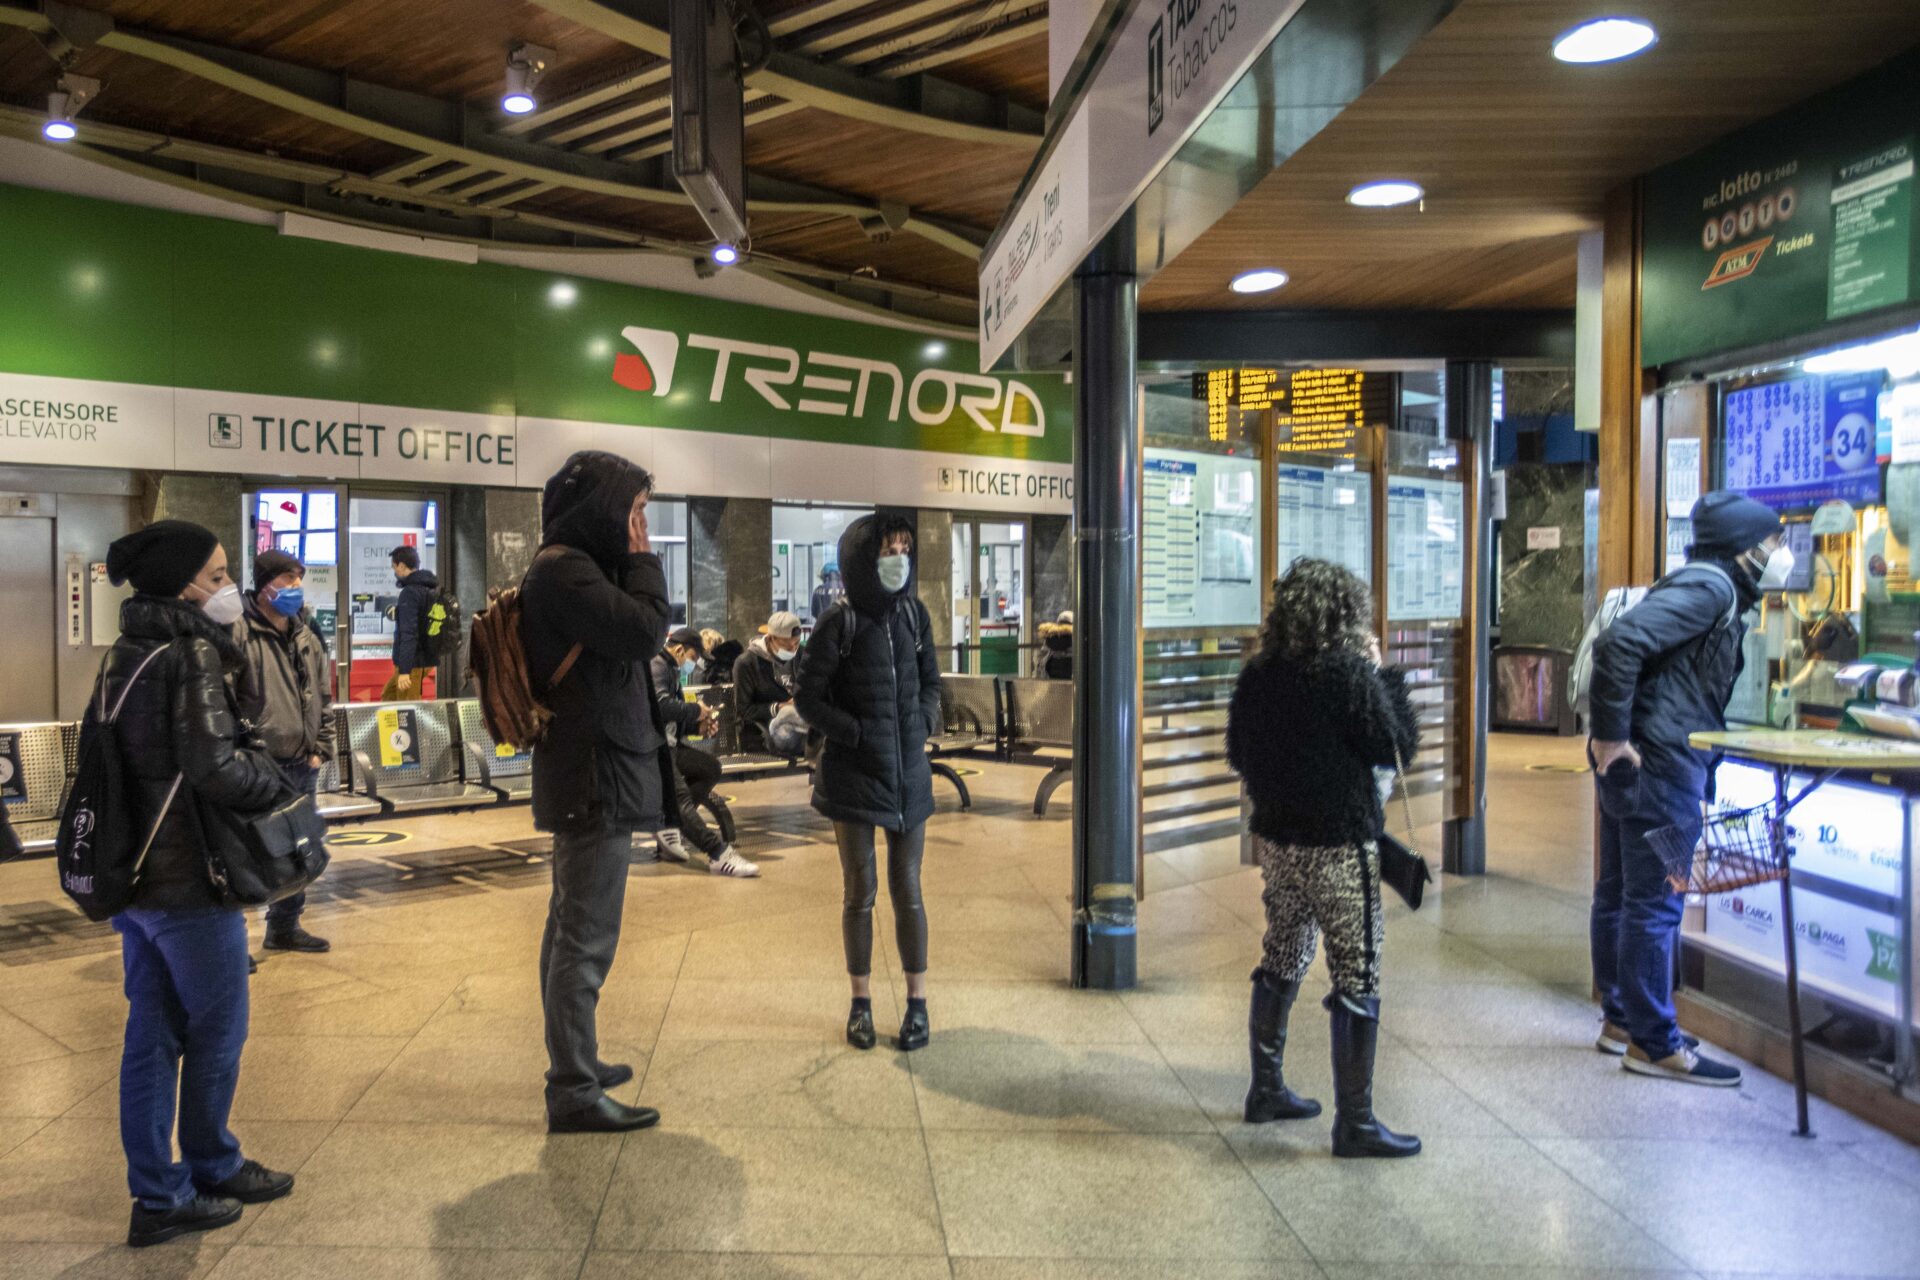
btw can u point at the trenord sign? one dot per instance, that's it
(830, 384)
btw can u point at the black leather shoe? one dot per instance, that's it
(604, 1116)
(860, 1033)
(1355, 1140)
(202, 1213)
(614, 1074)
(914, 1032)
(253, 1184)
(294, 938)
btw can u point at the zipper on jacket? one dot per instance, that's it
(899, 739)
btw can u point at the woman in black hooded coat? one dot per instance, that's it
(870, 683)
(601, 771)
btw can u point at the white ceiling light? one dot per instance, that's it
(1259, 280)
(526, 63)
(1605, 40)
(66, 102)
(1386, 194)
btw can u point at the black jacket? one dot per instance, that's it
(1306, 737)
(601, 765)
(179, 721)
(870, 683)
(410, 620)
(718, 668)
(678, 716)
(285, 685)
(1665, 669)
(761, 682)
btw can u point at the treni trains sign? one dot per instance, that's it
(831, 384)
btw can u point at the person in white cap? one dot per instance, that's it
(764, 678)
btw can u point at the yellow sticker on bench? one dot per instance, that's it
(399, 742)
(504, 751)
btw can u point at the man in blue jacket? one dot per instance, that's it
(411, 665)
(1661, 672)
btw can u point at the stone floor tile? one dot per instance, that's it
(606, 1265)
(1097, 1195)
(189, 1258)
(52, 1086)
(970, 1081)
(788, 1084)
(1488, 1014)
(468, 1080)
(810, 1191)
(1130, 1269)
(15, 1130)
(93, 1020)
(1039, 1010)
(811, 1009)
(288, 1077)
(351, 1008)
(281, 1262)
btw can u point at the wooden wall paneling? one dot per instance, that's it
(1621, 429)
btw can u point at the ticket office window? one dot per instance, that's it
(375, 526)
(806, 558)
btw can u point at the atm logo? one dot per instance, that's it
(1737, 264)
(649, 367)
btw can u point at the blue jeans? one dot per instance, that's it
(186, 990)
(285, 914)
(1636, 912)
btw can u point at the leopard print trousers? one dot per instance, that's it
(1323, 889)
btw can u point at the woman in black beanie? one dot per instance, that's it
(183, 948)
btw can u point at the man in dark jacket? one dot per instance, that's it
(595, 613)
(411, 665)
(765, 677)
(284, 691)
(183, 946)
(1661, 672)
(695, 772)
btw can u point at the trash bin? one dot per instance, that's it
(1530, 689)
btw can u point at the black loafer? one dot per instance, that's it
(914, 1032)
(604, 1116)
(202, 1213)
(253, 1184)
(614, 1074)
(860, 1033)
(295, 939)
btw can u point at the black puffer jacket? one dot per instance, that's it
(1666, 667)
(1306, 737)
(179, 721)
(761, 682)
(600, 767)
(869, 681)
(410, 620)
(679, 717)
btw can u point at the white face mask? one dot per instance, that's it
(224, 606)
(1778, 569)
(783, 655)
(894, 572)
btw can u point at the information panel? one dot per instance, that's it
(1201, 526)
(1426, 549)
(1327, 514)
(1789, 444)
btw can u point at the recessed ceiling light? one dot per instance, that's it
(1385, 195)
(1259, 280)
(725, 254)
(1605, 40)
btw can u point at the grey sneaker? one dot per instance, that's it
(1686, 1065)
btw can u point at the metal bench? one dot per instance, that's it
(501, 768)
(46, 755)
(405, 758)
(333, 796)
(1039, 730)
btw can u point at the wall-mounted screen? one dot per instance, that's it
(1791, 445)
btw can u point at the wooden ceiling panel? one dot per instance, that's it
(1017, 72)
(966, 182)
(1516, 151)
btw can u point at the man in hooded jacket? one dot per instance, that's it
(595, 613)
(1663, 671)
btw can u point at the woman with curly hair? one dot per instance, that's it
(1312, 715)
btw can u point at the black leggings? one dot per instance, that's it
(863, 884)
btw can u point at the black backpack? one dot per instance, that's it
(98, 851)
(440, 627)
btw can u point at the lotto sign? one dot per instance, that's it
(399, 738)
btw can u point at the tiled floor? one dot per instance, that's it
(1046, 1133)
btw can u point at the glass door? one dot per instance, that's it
(376, 525)
(305, 524)
(989, 594)
(966, 601)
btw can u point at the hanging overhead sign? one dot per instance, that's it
(1166, 66)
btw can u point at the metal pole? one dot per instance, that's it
(1470, 420)
(1795, 1045)
(1106, 665)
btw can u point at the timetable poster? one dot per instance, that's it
(1328, 515)
(1790, 445)
(1426, 549)
(1200, 540)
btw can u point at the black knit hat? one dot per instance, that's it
(269, 565)
(1727, 523)
(161, 559)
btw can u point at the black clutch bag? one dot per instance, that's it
(1402, 869)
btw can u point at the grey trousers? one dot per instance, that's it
(576, 953)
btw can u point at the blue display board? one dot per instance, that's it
(1792, 444)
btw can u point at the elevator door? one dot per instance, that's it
(31, 609)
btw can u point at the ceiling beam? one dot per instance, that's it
(915, 104)
(1191, 338)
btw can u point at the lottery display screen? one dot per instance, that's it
(1784, 446)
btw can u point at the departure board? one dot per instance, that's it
(1316, 410)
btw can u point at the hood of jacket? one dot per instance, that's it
(164, 619)
(586, 506)
(860, 568)
(759, 646)
(422, 578)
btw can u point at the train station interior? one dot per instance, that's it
(1112, 313)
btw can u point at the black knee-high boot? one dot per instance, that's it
(1269, 1098)
(1356, 1036)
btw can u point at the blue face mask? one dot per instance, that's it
(288, 601)
(686, 669)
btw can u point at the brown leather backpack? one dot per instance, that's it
(513, 714)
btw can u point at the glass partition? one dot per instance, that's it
(375, 526)
(806, 557)
(667, 529)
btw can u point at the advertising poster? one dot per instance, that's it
(399, 738)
